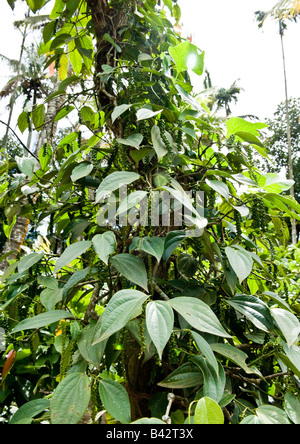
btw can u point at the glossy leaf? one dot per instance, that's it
(29, 261)
(42, 320)
(187, 376)
(70, 399)
(208, 412)
(160, 322)
(292, 407)
(198, 315)
(153, 246)
(123, 306)
(104, 245)
(115, 400)
(71, 253)
(158, 144)
(113, 182)
(81, 170)
(186, 56)
(288, 324)
(132, 268)
(220, 187)
(29, 410)
(214, 382)
(240, 261)
(207, 351)
(254, 309)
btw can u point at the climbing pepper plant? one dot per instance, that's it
(159, 286)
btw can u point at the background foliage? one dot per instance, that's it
(124, 323)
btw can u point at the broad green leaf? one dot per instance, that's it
(234, 355)
(81, 170)
(134, 140)
(75, 58)
(105, 245)
(208, 412)
(49, 298)
(48, 281)
(91, 353)
(131, 201)
(71, 253)
(240, 261)
(278, 299)
(186, 56)
(146, 113)
(198, 315)
(187, 265)
(70, 399)
(115, 400)
(220, 187)
(42, 320)
(288, 324)
(173, 239)
(293, 355)
(281, 202)
(118, 111)
(187, 376)
(88, 114)
(48, 31)
(158, 144)
(132, 268)
(292, 407)
(122, 307)
(11, 3)
(26, 165)
(35, 5)
(207, 351)
(214, 382)
(30, 410)
(252, 420)
(63, 112)
(237, 125)
(254, 309)
(45, 156)
(109, 39)
(29, 261)
(76, 277)
(153, 246)
(23, 121)
(274, 183)
(58, 7)
(113, 182)
(38, 117)
(159, 322)
(182, 197)
(270, 414)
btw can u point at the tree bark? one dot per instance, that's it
(289, 138)
(20, 230)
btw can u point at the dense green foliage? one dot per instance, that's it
(116, 318)
(276, 142)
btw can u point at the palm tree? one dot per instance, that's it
(282, 11)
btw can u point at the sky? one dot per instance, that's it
(236, 50)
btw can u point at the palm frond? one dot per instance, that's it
(284, 9)
(10, 86)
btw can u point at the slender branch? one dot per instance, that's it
(23, 145)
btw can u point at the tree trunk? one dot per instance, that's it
(50, 126)
(14, 93)
(14, 243)
(289, 138)
(20, 230)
